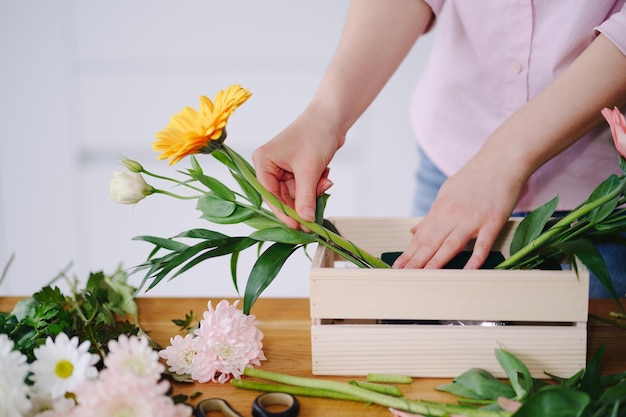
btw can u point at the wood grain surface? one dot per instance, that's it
(286, 325)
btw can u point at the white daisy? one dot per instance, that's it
(61, 364)
(43, 405)
(14, 401)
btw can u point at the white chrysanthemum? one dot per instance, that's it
(61, 364)
(133, 354)
(14, 401)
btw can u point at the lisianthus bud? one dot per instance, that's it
(133, 166)
(128, 187)
(618, 128)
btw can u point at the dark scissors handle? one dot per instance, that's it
(215, 404)
(259, 407)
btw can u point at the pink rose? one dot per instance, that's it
(618, 128)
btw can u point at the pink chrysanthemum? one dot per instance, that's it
(181, 355)
(230, 341)
(126, 394)
(133, 355)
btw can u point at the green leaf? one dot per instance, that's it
(554, 402)
(202, 234)
(211, 205)
(216, 186)
(518, 374)
(258, 221)
(195, 165)
(264, 271)
(239, 215)
(221, 156)
(483, 385)
(532, 225)
(162, 242)
(622, 163)
(254, 197)
(606, 187)
(180, 258)
(234, 245)
(591, 257)
(283, 235)
(590, 382)
(320, 207)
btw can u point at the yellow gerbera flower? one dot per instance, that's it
(190, 131)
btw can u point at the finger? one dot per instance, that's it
(427, 238)
(451, 245)
(323, 186)
(484, 242)
(306, 188)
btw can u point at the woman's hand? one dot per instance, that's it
(294, 165)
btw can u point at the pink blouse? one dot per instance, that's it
(488, 59)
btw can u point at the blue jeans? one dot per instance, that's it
(430, 179)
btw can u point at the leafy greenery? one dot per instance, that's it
(585, 394)
(599, 219)
(218, 204)
(99, 312)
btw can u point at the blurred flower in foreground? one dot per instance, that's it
(13, 389)
(128, 187)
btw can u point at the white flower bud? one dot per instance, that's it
(128, 187)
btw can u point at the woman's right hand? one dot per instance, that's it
(294, 165)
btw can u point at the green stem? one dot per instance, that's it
(564, 223)
(312, 226)
(290, 389)
(174, 180)
(399, 403)
(181, 197)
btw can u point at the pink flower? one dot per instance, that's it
(229, 341)
(618, 128)
(127, 394)
(181, 355)
(133, 355)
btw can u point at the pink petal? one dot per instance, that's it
(617, 122)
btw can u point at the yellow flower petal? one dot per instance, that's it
(190, 131)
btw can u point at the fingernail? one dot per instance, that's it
(326, 186)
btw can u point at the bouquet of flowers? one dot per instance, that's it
(84, 354)
(537, 240)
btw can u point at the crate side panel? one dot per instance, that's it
(444, 351)
(449, 294)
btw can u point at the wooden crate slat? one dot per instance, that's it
(439, 351)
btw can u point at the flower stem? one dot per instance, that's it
(564, 223)
(162, 177)
(181, 197)
(290, 389)
(314, 227)
(400, 403)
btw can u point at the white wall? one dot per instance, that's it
(82, 83)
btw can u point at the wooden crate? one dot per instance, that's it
(440, 323)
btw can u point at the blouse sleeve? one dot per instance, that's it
(614, 28)
(436, 6)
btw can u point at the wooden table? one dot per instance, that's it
(287, 345)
